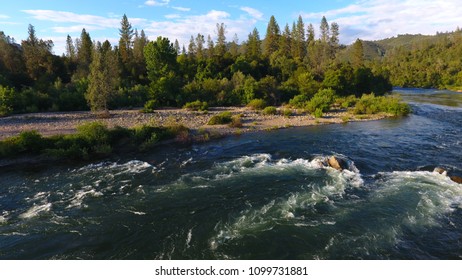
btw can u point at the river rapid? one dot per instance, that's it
(262, 195)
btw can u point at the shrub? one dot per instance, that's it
(318, 113)
(370, 104)
(299, 101)
(150, 106)
(94, 133)
(287, 112)
(236, 122)
(346, 102)
(196, 106)
(322, 100)
(222, 118)
(257, 104)
(270, 110)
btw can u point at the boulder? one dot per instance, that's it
(440, 170)
(456, 179)
(337, 163)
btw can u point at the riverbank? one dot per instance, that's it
(56, 123)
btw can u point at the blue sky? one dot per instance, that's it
(179, 19)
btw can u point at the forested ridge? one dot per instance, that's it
(290, 65)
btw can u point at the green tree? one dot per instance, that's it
(162, 66)
(324, 31)
(37, 55)
(272, 37)
(220, 47)
(126, 40)
(357, 56)
(84, 55)
(70, 49)
(103, 78)
(253, 45)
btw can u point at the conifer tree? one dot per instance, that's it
(220, 47)
(125, 43)
(70, 48)
(272, 37)
(253, 46)
(84, 54)
(324, 30)
(103, 78)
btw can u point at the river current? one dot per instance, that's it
(262, 195)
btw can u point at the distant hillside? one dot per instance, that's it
(377, 49)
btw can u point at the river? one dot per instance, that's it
(261, 195)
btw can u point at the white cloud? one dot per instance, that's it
(183, 9)
(378, 19)
(256, 14)
(172, 16)
(182, 28)
(157, 3)
(4, 16)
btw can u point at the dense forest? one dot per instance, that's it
(291, 65)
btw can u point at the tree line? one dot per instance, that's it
(292, 62)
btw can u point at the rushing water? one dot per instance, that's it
(257, 196)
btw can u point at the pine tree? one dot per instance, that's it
(177, 46)
(37, 55)
(200, 41)
(125, 43)
(103, 78)
(324, 29)
(84, 55)
(220, 47)
(70, 48)
(334, 35)
(272, 37)
(357, 54)
(253, 46)
(299, 39)
(234, 46)
(311, 34)
(192, 47)
(210, 47)
(285, 41)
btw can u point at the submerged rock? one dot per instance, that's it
(337, 163)
(456, 179)
(440, 170)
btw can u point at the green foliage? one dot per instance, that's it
(150, 106)
(6, 100)
(322, 100)
(257, 104)
(236, 122)
(318, 113)
(299, 101)
(346, 102)
(287, 112)
(370, 104)
(270, 110)
(91, 140)
(222, 118)
(196, 106)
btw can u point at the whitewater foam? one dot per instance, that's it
(35, 211)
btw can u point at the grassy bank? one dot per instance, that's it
(92, 140)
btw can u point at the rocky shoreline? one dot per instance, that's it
(54, 123)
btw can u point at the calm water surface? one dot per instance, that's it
(256, 196)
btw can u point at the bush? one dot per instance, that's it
(287, 112)
(196, 106)
(270, 110)
(257, 104)
(236, 122)
(318, 113)
(299, 101)
(346, 102)
(222, 118)
(322, 100)
(370, 104)
(150, 106)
